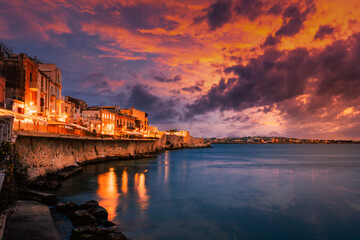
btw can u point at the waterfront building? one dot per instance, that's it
(44, 94)
(99, 120)
(54, 90)
(69, 111)
(76, 113)
(2, 91)
(113, 109)
(141, 122)
(79, 104)
(21, 87)
(153, 131)
(125, 125)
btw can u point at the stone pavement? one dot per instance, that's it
(31, 221)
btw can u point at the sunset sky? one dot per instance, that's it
(216, 68)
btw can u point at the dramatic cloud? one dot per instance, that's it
(280, 61)
(159, 110)
(292, 22)
(223, 11)
(177, 78)
(323, 31)
(302, 85)
(219, 13)
(196, 88)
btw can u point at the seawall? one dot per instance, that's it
(44, 153)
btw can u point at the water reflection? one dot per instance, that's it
(230, 192)
(124, 182)
(166, 167)
(108, 192)
(140, 186)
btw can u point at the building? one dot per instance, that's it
(79, 104)
(113, 109)
(125, 125)
(153, 132)
(69, 112)
(141, 122)
(53, 90)
(99, 120)
(21, 87)
(2, 91)
(6, 128)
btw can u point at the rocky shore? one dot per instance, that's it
(90, 221)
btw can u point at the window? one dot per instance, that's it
(30, 76)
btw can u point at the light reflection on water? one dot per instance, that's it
(230, 192)
(108, 192)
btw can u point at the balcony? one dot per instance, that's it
(33, 86)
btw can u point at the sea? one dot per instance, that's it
(227, 192)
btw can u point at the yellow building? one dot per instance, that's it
(141, 122)
(99, 120)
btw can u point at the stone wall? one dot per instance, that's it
(50, 153)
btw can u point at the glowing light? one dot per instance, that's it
(108, 191)
(141, 189)
(124, 182)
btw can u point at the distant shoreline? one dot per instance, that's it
(275, 140)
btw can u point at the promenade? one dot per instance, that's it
(31, 221)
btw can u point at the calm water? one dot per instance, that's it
(230, 192)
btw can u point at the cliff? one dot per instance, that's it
(44, 153)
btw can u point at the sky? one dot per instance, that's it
(218, 68)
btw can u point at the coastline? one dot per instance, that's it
(52, 180)
(48, 154)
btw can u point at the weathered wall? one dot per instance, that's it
(44, 153)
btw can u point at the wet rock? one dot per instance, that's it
(89, 229)
(103, 233)
(99, 212)
(108, 224)
(60, 208)
(89, 204)
(117, 236)
(71, 207)
(86, 236)
(82, 218)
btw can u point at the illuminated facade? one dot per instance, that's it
(99, 120)
(53, 88)
(124, 124)
(141, 123)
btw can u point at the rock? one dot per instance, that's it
(99, 212)
(103, 233)
(46, 184)
(117, 236)
(89, 204)
(89, 229)
(82, 218)
(60, 208)
(71, 207)
(86, 236)
(108, 224)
